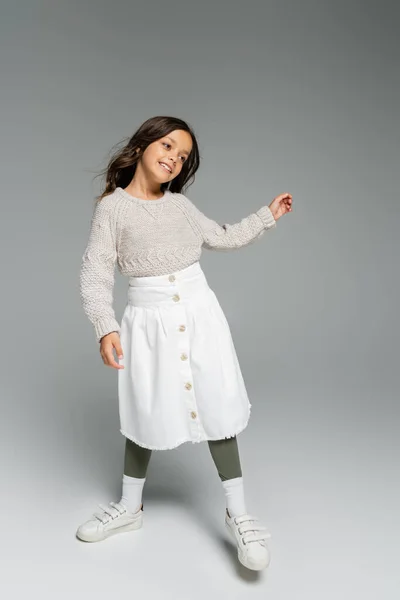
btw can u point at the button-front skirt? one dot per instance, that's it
(182, 380)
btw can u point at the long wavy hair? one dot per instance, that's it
(122, 165)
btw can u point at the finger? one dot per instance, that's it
(282, 198)
(110, 361)
(120, 354)
(118, 350)
(108, 357)
(105, 358)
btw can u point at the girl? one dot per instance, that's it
(179, 378)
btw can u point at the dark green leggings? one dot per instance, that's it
(225, 454)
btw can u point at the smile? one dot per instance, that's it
(165, 167)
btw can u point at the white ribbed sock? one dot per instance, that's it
(132, 489)
(234, 494)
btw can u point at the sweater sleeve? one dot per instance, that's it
(231, 237)
(97, 273)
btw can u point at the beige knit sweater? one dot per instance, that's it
(151, 237)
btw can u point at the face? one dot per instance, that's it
(163, 159)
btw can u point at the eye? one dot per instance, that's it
(183, 159)
(166, 144)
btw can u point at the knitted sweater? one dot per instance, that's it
(151, 237)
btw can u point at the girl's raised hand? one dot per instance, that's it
(281, 205)
(107, 344)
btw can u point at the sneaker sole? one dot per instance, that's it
(137, 524)
(242, 558)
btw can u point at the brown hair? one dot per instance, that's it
(122, 165)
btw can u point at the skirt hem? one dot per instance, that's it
(185, 440)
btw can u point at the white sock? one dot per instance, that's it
(132, 489)
(234, 494)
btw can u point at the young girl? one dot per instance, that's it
(179, 378)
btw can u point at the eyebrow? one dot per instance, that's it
(174, 141)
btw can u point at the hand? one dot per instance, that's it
(107, 343)
(281, 205)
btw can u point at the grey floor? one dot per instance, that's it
(327, 493)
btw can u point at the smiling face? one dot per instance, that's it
(163, 159)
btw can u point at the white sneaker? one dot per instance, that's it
(250, 538)
(114, 518)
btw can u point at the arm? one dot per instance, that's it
(238, 235)
(97, 271)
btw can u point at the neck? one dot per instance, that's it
(141, 187)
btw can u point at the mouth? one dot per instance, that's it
(165, 167)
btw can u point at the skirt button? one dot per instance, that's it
(193, 415)
(188, 386)
(183, 356)
(176, 298)
(171, 277)
(182, 328)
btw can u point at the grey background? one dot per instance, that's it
(284, 96)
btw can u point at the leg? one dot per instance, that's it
(136, 459)
(136, 462)
(246, 530)
(225, 454)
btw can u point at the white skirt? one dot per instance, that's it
(182, 380)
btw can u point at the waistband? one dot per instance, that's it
(188, 284)
(168, 279)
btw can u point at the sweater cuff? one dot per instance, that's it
(267, 217)
(104, 326)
